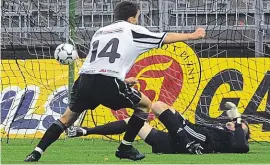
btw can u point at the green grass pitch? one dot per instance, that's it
(96, 151)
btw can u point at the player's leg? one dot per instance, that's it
(144, 131)
(158, 140)
(175, 123)
(160, 107)
(117, 94)
(79, 94)
(52, 134)
(112, 128)
(136, 122)
(167, 116)
(194, 132)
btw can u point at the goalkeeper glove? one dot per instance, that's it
(194, 148)
(233, 111)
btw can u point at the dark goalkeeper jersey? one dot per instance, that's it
(217, 139)
(222, 140)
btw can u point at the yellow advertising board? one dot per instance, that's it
(34, 92)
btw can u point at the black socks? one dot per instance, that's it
(134, 126)
(51, 135)
(116, 127)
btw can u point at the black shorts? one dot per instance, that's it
(194, 132)
(161, 141)
(89, 91)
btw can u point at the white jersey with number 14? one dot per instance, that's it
(114, 48)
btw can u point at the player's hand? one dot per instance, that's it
(233, 111)
(199, 33)
(194, 148)
(131, 81)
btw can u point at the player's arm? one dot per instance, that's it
(240, 144)
(176, 37)
(145, 40)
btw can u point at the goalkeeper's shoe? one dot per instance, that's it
(33, 157)
(131, 153)
(74, 131)
(194, 148)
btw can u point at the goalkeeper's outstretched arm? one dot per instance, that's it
(240, 144)
(241, 135)
(176, 37)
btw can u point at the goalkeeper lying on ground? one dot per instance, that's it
(182, 136)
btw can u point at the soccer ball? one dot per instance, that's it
(65, 54)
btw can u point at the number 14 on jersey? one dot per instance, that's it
(113, 55)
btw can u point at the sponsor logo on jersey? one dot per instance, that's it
(107, 71)
(103, 70)
(90, 71)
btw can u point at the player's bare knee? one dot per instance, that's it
(148, 108)
(69, 118)
(145, 109)
(159, 107)
(144, 106)
(67, 123)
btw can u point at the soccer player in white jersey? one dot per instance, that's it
(113, 50)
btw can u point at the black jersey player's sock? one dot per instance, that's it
(116, 127)
(134, 126)
(50, 136)
(174, 126)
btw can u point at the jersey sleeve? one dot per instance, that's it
(145, 40)
(240, 144)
